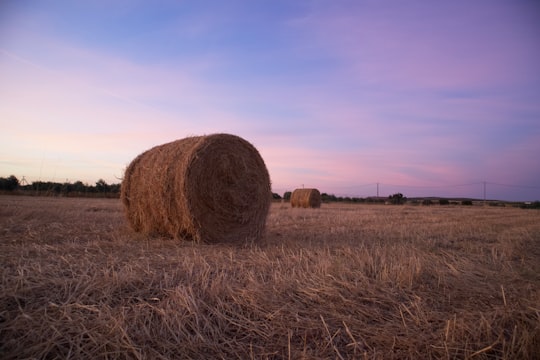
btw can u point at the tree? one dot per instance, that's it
(102, 186)
(287, 196)
(78, 186)
(327, 198)
(11, 183)
(397, 199)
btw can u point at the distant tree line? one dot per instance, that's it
(531, 205)
(12, 185)
(399, 199)
(326, 198)
(100, 189)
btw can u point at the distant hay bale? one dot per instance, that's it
(307, 198)
(213, 188)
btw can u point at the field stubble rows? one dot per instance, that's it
(343, 281)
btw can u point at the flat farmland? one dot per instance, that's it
(339, 282)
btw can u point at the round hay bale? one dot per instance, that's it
(213, 188)
(306, 198)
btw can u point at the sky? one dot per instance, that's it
(426, 98)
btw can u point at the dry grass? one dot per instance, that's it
(343, 281)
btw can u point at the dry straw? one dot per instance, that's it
(307, 198)
(213, 188)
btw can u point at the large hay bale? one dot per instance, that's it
(307, 198)
(213, 188)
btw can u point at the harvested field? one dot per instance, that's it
(343, 281)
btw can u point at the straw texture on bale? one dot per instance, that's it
(213, 188)
(307, 198)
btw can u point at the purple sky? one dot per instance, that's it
(427, 98)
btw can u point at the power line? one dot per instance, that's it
(431, 186)
(484, 183)
(516, 186)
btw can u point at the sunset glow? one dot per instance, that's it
(423, 98)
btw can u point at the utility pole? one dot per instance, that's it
(377, 189)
